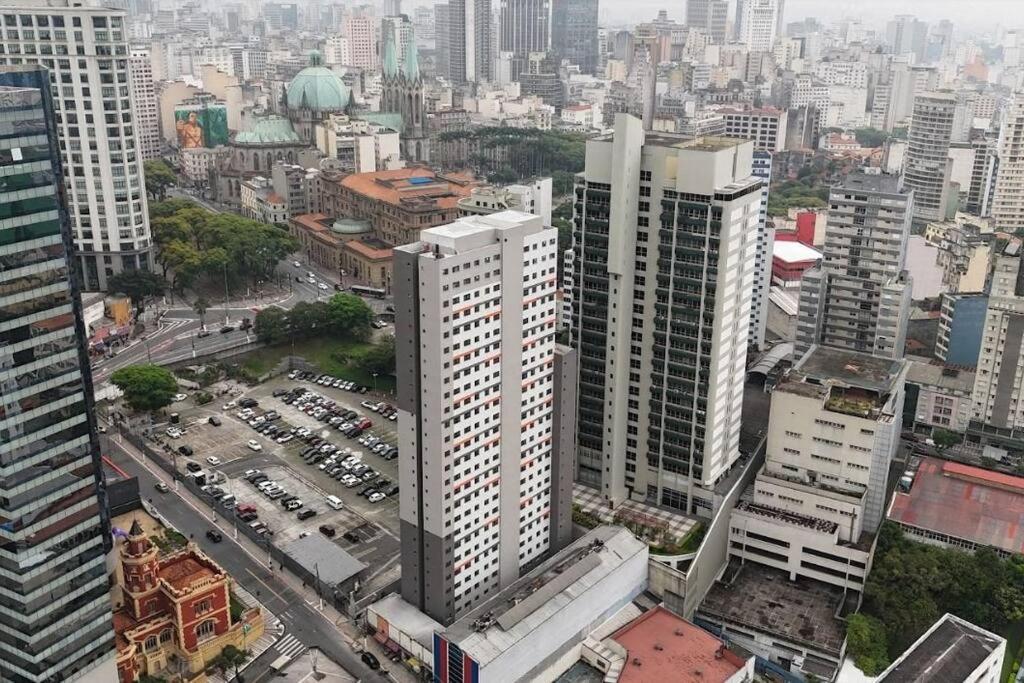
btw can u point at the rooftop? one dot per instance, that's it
(931, 373)
(763, 599)
(872, 182)
(966, 502)
(370, 248)
(501, 622)
(949, 652)
(405, 185)
(850, 368)
(665, 647)
(795, 252)
(181, 571)
(325, 559)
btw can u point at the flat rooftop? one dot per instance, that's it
(663, 646)
(948, 652)
(966, 502)
(763, 599)
(501, 622)
(851, 368)
(795, 252)
(935, 374)
(872, 182)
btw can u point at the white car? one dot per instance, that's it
(254, 445)
(229, 405)
(213, 459)
(376, 497)
(311, 280)
(369, 405)
(296, 264)
(179, 397)
(173, 432)
(323, 286)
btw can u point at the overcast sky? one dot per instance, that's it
(970, 14)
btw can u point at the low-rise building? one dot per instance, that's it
(359, 146)
(198, 162)
(296, 184)
(260, 203)
(955, 505)
(177, 607)
(790, 260)
(953, 650)
(943, 395)
(534, 198)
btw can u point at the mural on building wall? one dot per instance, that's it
(201, 125)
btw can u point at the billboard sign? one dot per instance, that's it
(204, 125)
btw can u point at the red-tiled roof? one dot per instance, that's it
(665, 647)
(965, 502)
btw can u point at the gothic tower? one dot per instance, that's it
(402, 93)
(140, 566)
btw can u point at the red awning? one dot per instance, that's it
(381, 637)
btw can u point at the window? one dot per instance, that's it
(150, 644)
(206, 629)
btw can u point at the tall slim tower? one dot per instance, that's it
(106, 195)
(146, 108)
(55, 533)
(485, 410)
(524, 27)
(761, 168)
(469, 40)
(1008, 198)
(757, 23)
(927, 168)
(859, 298)
(574, 33)
(710, 16)
(664, 239)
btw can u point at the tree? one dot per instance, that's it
(865, 642)
(138, 285)
(349, 315)
(945, 438)
(308, 319)
(159, 177)
(145, 387)
(272, 325)
(871, 137)
(201, 306)
(233, 657)
(379, 359)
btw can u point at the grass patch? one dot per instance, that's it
(330, 355)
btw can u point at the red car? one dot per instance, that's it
(364, 423)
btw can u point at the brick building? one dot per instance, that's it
(175, 607)
(344, 246)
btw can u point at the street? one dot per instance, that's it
(296, 609)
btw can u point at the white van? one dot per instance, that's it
(334, 502)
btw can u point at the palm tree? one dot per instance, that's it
(200, 306)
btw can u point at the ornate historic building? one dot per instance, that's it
(176, 612)
(315, 93)
(403, 95)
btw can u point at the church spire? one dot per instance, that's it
(412, 60)
(390, 56)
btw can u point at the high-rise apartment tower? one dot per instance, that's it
(486, 409)
(927, 167)
(665, 238)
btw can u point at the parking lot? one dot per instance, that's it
(367, 530)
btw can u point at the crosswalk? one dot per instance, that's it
(290, 646)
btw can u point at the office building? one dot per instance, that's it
(998, 386)
(859, 298)
(102, 159)
(574, 33)
(758, 23)
(524, 26)
(927, 168)
(820, 495)
(905, 34)
(361, 37)
(56, 618)
(442, 52)
(469, 28)
(761, 168)
(766, 127)
(485, 409)
(146, 108)
(1008, 197)
(710, 16)
(665, 241)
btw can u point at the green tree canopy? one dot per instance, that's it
(379, 358)
(159, 177)
(349, 315)
(138, 285)
(145, 387)
(865, 642)
(271, 325)
(871, 137)
(309, 318)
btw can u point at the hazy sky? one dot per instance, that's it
(973, 14)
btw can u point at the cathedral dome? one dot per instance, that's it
(318, 88)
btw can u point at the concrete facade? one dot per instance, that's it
(477, 498)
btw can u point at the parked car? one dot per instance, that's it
(327, 530)
(248, 403)
(254, 445)
(213, 459)
(185, 450)
(214, 536)
(179, 397)
(162, 487)
(174, 432)
(227, 328)
(193, 466)
(215, 421)
(306, 513)
(370, 660)
(351, 537)
(376, 497)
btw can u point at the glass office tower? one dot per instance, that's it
(55, 612)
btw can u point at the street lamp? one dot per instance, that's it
(374, 382)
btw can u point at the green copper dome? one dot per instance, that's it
(318, 88)
(268, 130)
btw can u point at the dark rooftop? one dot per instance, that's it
(763, 599)
(851, 368)
(948, 653)
(873, 182)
